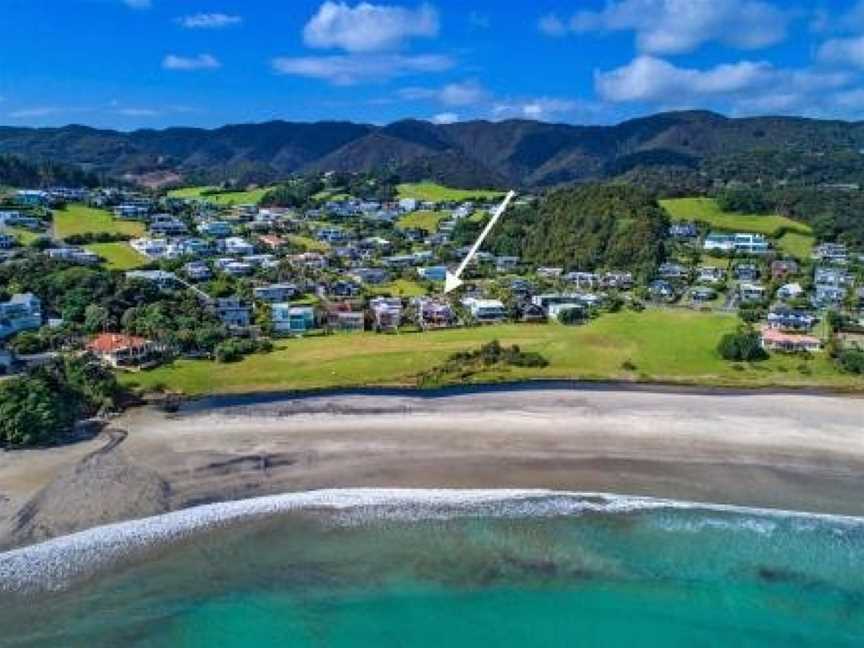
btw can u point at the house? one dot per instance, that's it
(74, 255)
(783, 268)
(784, 319)
(332, 235)
(236, 246)
(311, 260)
(166, 225)
(774, 340)
(702, 294)
(275, 293)
(408, 204)
(371, 276)
(826, 296)
(506, 263)
(434, 314)
(831, 253)
(750, 292)
(743, 242)
(151, 248)
(789, 291)
(32, 198)
(131, 212)
(7, 361)
(7, 241)
(292, 320)
(662, 290)
(164, 280)
(217, 229)
(232, 312)
(23, 312)
(197, 271)
(711, 275)
(549, 273)
(387, 313)
(617, 280)
(683, 230)
(582, 279)
(433, 273)
(670, 270)
(486, 311)
(532, 313)
(341, 288)
(746, 272)
(236, 268)
(119, 351)
(341, 317)
(272, 241)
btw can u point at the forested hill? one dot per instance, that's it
(694, 145)
(588, 227)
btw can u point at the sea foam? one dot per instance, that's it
(57, 564)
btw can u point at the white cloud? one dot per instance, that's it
(746, 87)
(677, 26)
(188, 63)
(368, 27)
(352, 69)
(209, 21)
(445, 118)
(845, 51)
(36, 111)
(137, 112)
(453, 94)
(539, 108)
(138, 4)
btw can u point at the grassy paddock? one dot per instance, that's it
(664, 345)
(437, 193)
(80, 219)
(226, 199)
(118, 256)
(707, 210)
(309, 244)
(425, 220)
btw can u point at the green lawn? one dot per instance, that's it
(425, 220)
(118, 256)
(24, 236)
(80, 219)
(400, 288)
(227, 199)
(437, 193)
(706, 210)
(308, 243)
(664, 345)
(797, 245)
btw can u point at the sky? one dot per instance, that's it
(130, 64)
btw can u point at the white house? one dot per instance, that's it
(21, 313)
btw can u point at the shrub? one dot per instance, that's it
(743, 346)
(852, 360)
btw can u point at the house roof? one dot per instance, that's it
(778, 337)
(113, 342)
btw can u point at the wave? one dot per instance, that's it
(57, 564)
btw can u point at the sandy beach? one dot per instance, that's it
(790, 451)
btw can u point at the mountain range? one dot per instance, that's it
(520, 153)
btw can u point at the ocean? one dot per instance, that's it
(445, 569)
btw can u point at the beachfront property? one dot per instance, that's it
(486, 311)
(785, 319)
(23, 312)
(775, 340)
(434, 313)
(124, 351)
(342, 317)
(292, 320)
(386, 313)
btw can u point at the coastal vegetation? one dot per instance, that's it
(461, 366)
(678, 346)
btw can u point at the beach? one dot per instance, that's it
(802, 452)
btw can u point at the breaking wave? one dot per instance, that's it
(57, 564)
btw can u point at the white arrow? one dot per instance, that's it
(452, 280)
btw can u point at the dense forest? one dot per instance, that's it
(588, 227)
(16, 172)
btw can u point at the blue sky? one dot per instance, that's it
(153, 63)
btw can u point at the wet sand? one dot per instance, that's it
(789, 451)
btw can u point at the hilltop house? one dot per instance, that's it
(23, 312)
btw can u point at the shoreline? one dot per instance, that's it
(796, 452)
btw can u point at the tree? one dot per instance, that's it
(32, 412)
(742, 346)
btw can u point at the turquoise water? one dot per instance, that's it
(645, 577)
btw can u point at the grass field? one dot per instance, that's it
(24, 236)
(797, 245)
(400, 288)
(435, 192)
(309, 244)
(706, 210)
(664, 345)
(227, 199)
(118, 256)
(79, 219)
(425, 220)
